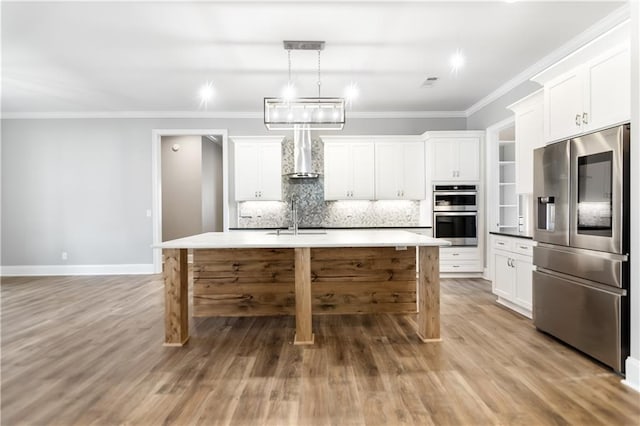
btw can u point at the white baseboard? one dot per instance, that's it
(632, 373)
(49, 270)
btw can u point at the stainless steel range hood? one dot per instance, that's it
(302, 165)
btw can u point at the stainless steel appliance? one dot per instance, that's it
(581, 214)
(455, 216)
(448, 198)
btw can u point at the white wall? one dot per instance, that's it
(84, 185)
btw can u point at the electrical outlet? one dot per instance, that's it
(148, 213)
(64, 255)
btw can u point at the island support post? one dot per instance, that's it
(176, 301)
(304, 335)
(429, 294)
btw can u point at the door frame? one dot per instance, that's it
(491, 180)
(156, 182)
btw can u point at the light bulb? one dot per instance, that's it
(289, 92)
(319, 115)
(290, 116)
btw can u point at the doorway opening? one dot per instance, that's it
(190, 175)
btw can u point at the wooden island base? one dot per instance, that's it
(301, 282)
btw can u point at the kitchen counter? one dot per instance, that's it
(337, 272)
(306, 238)
(509, 234)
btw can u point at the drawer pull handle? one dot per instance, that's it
(455, 254)
(524, 247)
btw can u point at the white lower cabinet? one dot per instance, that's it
(512, 267)
(460, 259)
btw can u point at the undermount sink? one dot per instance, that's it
(300, 232)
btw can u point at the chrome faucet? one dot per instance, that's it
(294, 215)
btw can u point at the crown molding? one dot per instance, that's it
(609, 22)
(53, 115)
(406, 114)
(62, 115)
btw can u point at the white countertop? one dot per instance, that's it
(338, 238)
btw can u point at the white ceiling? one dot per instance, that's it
(144, 56)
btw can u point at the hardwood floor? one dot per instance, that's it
(88, 350)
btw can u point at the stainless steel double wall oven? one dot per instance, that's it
(455, 214)
(581, 210)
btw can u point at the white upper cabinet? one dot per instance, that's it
(529, 128)
(455, 156)
(399, 170)
(258, 169)
(591, 96)
(348, 170)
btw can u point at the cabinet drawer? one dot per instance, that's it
(455, 255)
(461, 266)
(503, 243)
(523, 247)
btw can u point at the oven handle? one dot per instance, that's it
(455, 213)
(454, 193)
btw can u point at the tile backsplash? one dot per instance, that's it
(314, 211)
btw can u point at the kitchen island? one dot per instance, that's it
(339, 272)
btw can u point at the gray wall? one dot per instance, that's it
(182, 186)
(212, 197)
(497, 110)
(84, 185)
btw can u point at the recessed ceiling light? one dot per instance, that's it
(457, 61)
(206, 94)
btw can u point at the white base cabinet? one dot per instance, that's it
(512, 267)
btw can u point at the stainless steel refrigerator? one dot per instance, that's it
(581, 215)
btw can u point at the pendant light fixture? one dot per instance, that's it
(290, 113)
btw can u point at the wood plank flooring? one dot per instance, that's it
(88, 351)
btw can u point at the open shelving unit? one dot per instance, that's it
(507, 198)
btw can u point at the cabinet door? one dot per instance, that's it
(246, 171)
(504, 276)
(337, 176)
(270, 168)
(387, 170)
(563, 106)
(523, 282)
(444, 161)
(413, 171)
(362, 167)
(529, 136)
(468, 159)
(608, 92)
